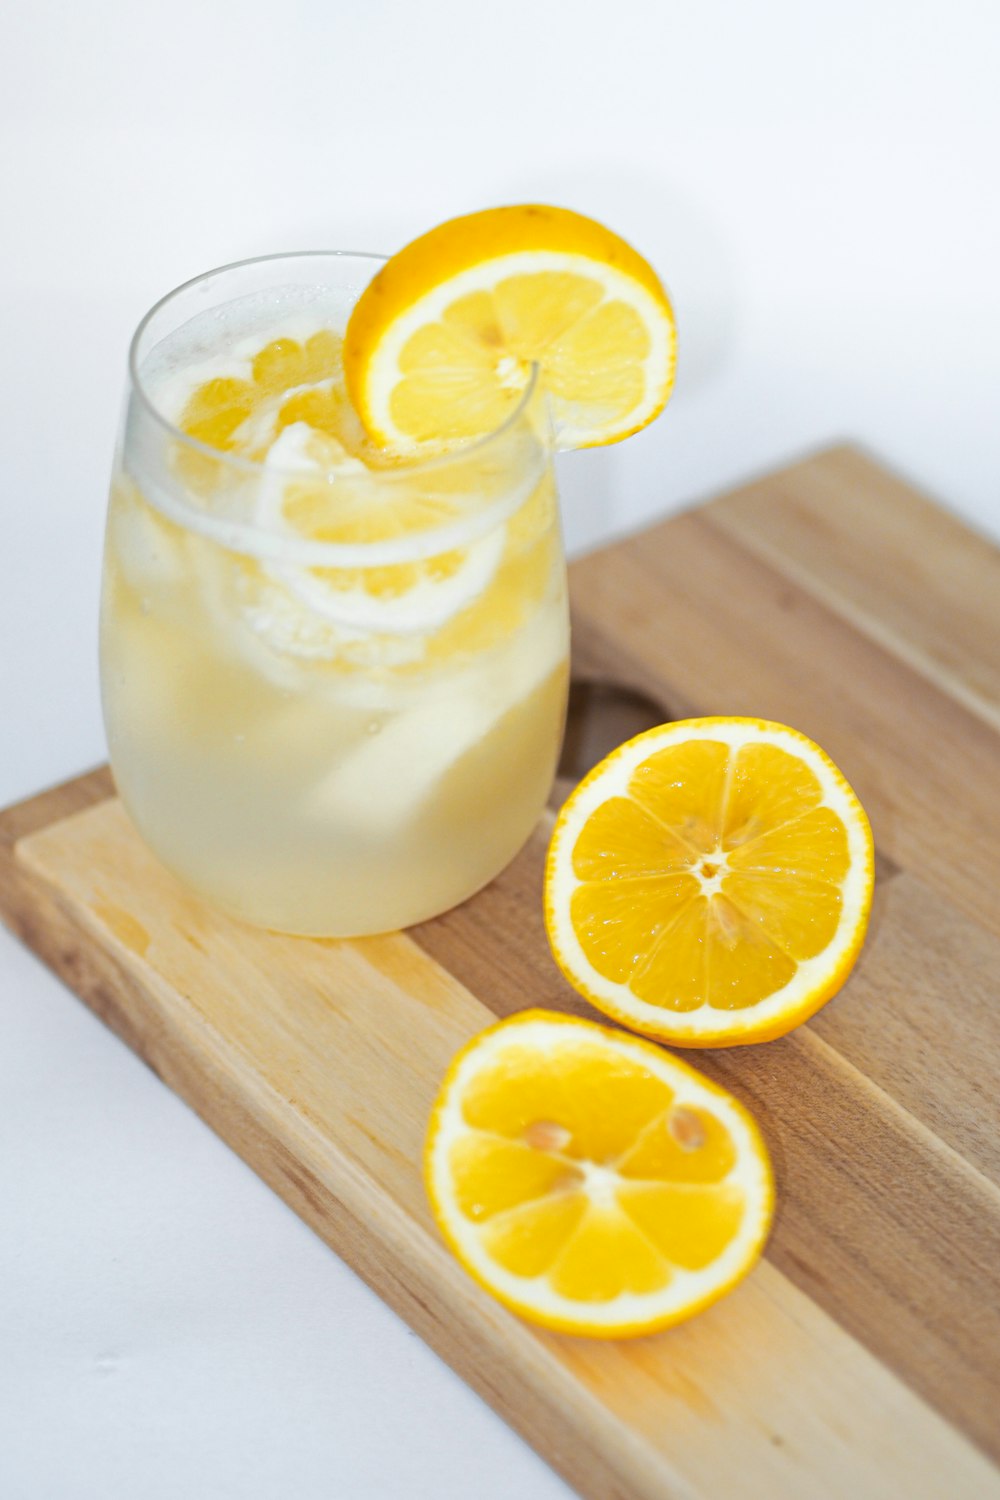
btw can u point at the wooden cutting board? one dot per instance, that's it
(862, 1358)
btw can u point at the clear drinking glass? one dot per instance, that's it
(334, 686)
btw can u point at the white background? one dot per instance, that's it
(817, 185)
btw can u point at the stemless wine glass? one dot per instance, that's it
(334, 685)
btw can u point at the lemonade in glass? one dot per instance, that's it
(334, 681)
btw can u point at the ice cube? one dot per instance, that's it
(149, 549)
(383, 783)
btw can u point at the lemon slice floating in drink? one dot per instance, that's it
(591, 1181)
(441, 345)
(321, 481)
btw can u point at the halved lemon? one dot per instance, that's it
(709, 883)
(441, 344)
(592, 1182)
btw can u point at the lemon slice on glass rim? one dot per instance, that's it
(441, 344)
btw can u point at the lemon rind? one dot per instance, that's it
(629, 1314)
(816, 979)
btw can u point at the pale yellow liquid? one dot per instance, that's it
(319, 789)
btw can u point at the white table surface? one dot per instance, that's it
(817, 186)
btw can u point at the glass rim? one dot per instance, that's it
(409, 466)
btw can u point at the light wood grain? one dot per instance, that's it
(888, 1227)
(920, 1019)
(731, 634)
(903, 570)
(862, 1359)
(333, 1052)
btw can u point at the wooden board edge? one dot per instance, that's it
(530, 1388)
(53, 804)
(537, 1395)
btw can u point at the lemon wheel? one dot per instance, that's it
(441, 345)
(592, 1182)
(709, 883)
